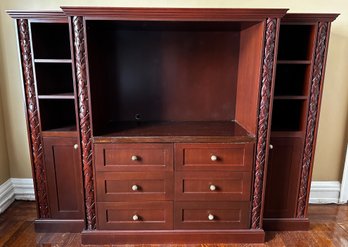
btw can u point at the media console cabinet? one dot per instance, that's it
(153, 125)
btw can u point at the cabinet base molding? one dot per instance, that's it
(172, 236)
(50, 225)
(286, 224)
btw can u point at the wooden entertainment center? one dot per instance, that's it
(154, 125)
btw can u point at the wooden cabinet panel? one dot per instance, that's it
(64, 178)
(236, 157)
(283, 175)
(133, 157)
(211, 215)
(220, 186)
(134, 186)
(135, 216)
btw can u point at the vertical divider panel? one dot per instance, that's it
(85, 127)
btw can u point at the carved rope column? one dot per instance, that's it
(84, 119)
(263, 120)
(35, 140)
(319, 60)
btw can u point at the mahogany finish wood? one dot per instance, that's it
(226, 215)
(62, 163)
(196, 186)
(287, 202)
(283, 177)
(60, 225)
(120, 186)
(234, 157)
(133, 157)
(120, 215)
(172, 99)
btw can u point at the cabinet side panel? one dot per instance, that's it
(249, 72)
(34, 128)
(312, 117)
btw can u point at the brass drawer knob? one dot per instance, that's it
(76, 146)
(135, 217)
(134, 157)
(212, 187)
(211, 217)
(135, 187)
(213, 158)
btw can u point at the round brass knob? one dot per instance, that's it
(135, 217)
(270, 146)
(212, 187)
(76, 146)
(211, 217)
(213, 158)
(134, 157)
(135, 187)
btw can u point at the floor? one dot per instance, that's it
(329, 227)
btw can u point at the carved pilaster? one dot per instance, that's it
(84, 119)
(33, 119)
(263, 120)
(315, 87)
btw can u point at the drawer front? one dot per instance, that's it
(219, 186)
(133, 157)
(134, 186)
(234, 157)
(135, 215)
(211, 215)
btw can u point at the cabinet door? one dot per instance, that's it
(64, 178)
(283, 177)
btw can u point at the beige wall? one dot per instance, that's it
(4, 167)
(332, 136)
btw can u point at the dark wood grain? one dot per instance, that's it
(151, 215)
(33, 121)
(263, 122)
(283, 177)
(196, 186)
(227, 215)
(64, 178)
(312, 119)
(149, 156)
(118, 186)
(177, 14)
(84, 120)
(197, 156)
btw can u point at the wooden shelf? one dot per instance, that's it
(291, 97)
(210, 131)
(52, 60)
(294, 62)
(57, 96)
(66, 131)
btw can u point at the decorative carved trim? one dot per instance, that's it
(263, 120)
(313, 109)
(33, 119)
(85, 121)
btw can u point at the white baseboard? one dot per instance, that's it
(16, 189)
(324, 192)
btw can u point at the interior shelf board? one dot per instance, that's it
(57, 96)
(192, 131)
(52, 60)
(66, 131)
(291, 97)
(294, 62)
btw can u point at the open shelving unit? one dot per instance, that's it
(53, 75)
